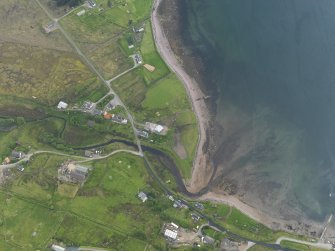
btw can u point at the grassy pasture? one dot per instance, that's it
(131, 88)
(94, 27)
(49, 75)
(22, 22)
(27, 225)
(151, 56)
(75, 136)
(102, 213)
(111, 60)
(30, 135)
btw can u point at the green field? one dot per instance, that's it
(111, 61)
(61, 77)
(151, 56)
(39, 210)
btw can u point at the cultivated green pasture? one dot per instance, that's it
(26, 224)
(151, 56)
(38, 210)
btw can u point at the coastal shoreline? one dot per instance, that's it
(196, 96)
(202, 169)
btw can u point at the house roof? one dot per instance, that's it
(62, 105)
(171, 234)
(57, 248)
(107, 115)
(81, 169)
(142, 196)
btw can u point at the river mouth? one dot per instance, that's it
(162, 158)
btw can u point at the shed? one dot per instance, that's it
(80, 13)
(149, 67)
(57, 248)
(62, 105)
(142, 196)
(81, 169)
(170, 234)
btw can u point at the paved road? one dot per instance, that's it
(28, 156)
(110, 154)
(121, 74)
(85, 159)
(317, 245)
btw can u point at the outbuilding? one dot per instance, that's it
(142, 196)
(170, 234)
(57, 248)
(62, 105)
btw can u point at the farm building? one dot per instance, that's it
(155, 128)
(170, 234)
(72, 173)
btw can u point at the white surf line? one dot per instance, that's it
(313, 244)
(326, 227)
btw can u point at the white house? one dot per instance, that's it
(62, 105)
(57, 248)
(154, 127)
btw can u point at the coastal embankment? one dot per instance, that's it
(203, 170)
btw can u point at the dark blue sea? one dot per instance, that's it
(270, 65)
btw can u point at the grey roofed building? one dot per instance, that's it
(97, 112)
(88, 154)
(143, 134)
(81, 169)
(142, 196)
(77, 177)
(199, 206)
(119, 119)
(177, 204)
(228, 245)
(207, 240)
(70, 172)
(195, 217)
(91, 3)
(17, 155)
(138, 59)
(88, 105)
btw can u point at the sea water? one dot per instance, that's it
(270, 65)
